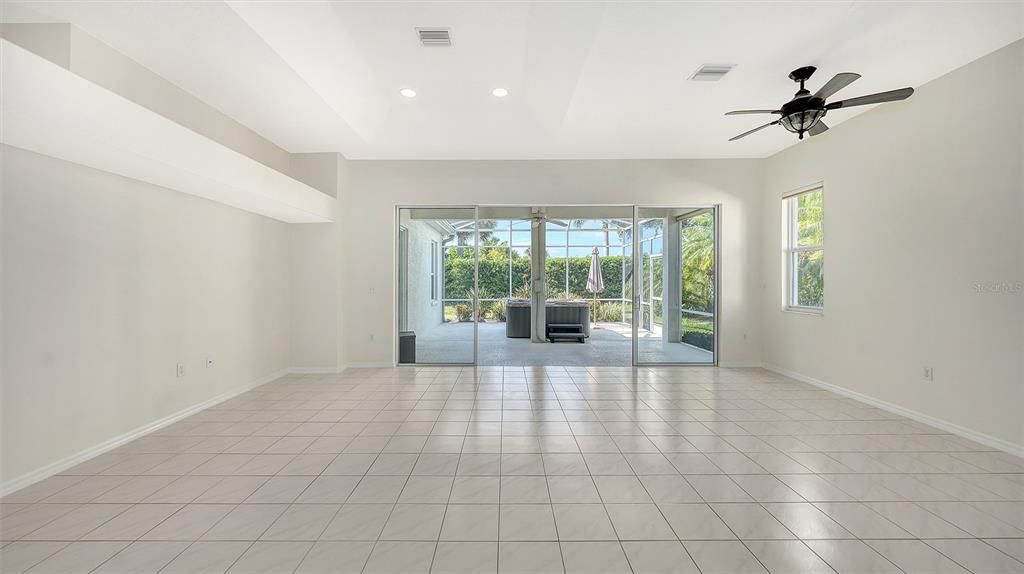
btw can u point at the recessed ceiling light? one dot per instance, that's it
(499, 92)
(408, 92)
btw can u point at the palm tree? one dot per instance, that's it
(698, 254)
(606, 228)
(464, 236)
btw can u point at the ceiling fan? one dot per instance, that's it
(803, 114)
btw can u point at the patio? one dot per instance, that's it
(457, 264)
(608, 345)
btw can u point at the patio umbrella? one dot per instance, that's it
(595, 281)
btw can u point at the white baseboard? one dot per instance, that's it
(313, 370)
(368, 365)
(63, 464)
(740, 364)
(952, 428)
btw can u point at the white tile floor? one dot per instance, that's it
(529, 470)
(609, 345)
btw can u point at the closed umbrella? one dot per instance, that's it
(595, 281)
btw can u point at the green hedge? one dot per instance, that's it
(494, 284)
(579, 269)
(699, 333)
(494, 275)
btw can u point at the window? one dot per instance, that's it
(433, 271)
(805, 250)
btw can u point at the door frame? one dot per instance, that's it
(716, 210)
(397, 291)
(403, 277)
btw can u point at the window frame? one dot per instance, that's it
(792, 250)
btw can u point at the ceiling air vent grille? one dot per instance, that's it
(435, 37)
(711, 72)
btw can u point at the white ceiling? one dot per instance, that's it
(586, 79)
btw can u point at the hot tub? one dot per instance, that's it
(517, 315)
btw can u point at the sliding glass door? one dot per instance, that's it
(699, 253)
(491, 284)
(676, 285)
(437, 307)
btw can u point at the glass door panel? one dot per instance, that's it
(437, 285)
(676, 250)
(699, 282)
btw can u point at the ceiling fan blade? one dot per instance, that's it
(743, 112)
(890, 96)
(838, 82)
(818, 128)
(758, 128)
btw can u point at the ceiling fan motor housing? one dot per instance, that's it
(801, 113)
(802, 74)
(804, 110)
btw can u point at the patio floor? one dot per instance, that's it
(608, 345)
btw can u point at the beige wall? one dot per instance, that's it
(107, 284)
(374, 188)
(924, 202)
(315, 303)
(316, 257)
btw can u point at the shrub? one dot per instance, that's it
(463, 313)
(498, 310)
(605, 311)
(492, 310)
(699, 333)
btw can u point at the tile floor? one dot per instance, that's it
(529, 470)
(609, 345)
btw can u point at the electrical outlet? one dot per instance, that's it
(928, 374)
(180, 370)
(209, 362)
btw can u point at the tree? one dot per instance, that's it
(698, 254)
(464, 236)
(810, 264)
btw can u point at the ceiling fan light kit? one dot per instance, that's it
(803, 114)
(800, 122)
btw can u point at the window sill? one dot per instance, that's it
(804, 311)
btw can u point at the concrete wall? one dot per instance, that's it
(924, 251)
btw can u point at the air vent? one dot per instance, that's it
(711, 72)
(435, 37)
